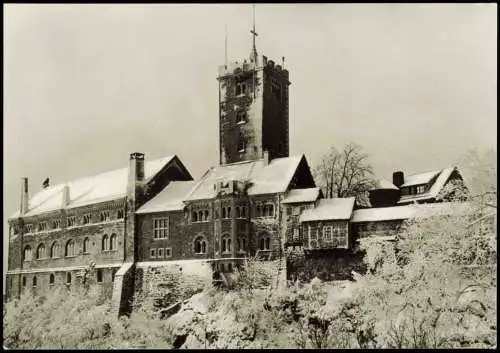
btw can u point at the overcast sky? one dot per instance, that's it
(86, 85)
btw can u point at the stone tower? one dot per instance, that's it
(253, 109)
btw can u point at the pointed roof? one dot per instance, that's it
(421, 178)
(442, 178)
(302, 195)
(330, 209)
(263, 179)
(169, 199)
(93, 189)
(408, 211)
(384, 184)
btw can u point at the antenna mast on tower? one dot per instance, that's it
(253, 56)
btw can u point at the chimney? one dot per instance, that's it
(65, 196)
(398, 178)
(266, 157)
(137, 164)
(24, 197)
(135, 174)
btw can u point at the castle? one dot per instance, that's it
(258, 202)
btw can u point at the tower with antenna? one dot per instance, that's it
(253, 107)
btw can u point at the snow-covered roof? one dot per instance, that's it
(384, 184)
(329, 209)
(407, 211)
(264, 179)
(301, 195)
(419, 179)
(433, 192)
(169, 199)
(98, 188)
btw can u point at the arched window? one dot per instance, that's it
(86, 244)
(40, 252)
(238, 212)
(241, 244)
(206, 215)
(99, 276)
(265, 242)
(34, 281)
(194, 216)
(27, 253)
(200, 216)
(241, 143)
(200, 245)
(68, 278)
(119, 214)
(70, 248)
(258, 211)
(243, 212)
(52, 279)
(226, 243)
(105, 242)
(229, 212)
(24, 281)
(223, 212)
(54, 250)
(112, 242)
(113, 274)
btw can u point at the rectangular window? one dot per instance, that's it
(168, 252)
(160, 228)
(152, 253)
(71, 221)
(328, 233)
(160, 253)
(99, 276)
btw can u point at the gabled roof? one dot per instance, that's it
(421, 178)
(434, 190)
(169, 199)
(98, 188)
(301, 195)
(408, 211)
(329, 209)
(264, 179)
(384, 184)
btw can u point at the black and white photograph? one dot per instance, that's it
(250, 175)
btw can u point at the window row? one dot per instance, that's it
(52, 278)
(200, 216)
(72, 221)
(160, 228)
(160, 253)
(335, 234)
(109, 243)
(264, 210)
